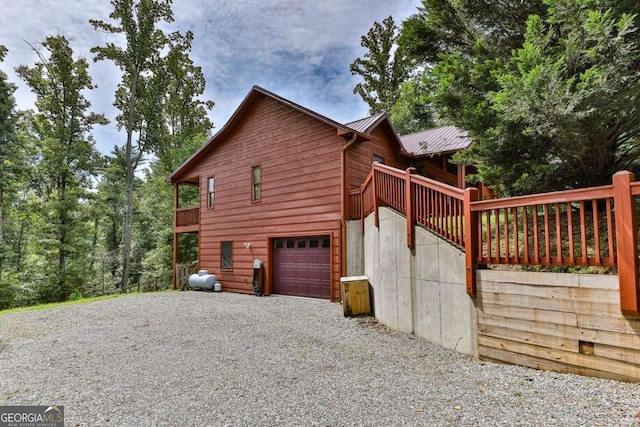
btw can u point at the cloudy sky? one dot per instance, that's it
(299, 49)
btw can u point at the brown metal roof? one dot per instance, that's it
(443, 139)
(367, 124)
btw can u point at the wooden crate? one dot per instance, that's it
(355, 296)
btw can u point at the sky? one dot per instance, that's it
(299, 49)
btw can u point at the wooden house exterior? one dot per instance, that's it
(273, 186)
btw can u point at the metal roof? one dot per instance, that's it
(367, 124)
(438, 140)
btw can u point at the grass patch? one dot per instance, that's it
(73, 302)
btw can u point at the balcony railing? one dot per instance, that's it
(187, 216)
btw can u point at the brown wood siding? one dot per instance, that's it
(360, 157)
(300, 196)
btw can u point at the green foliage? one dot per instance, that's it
(412, 110)
(547, 89)
(383, 68)
(62, 161)
(9, 166)
(157, 99)
(67, 214)
(575, 87)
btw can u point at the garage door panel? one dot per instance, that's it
(301, 267)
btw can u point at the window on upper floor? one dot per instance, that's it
(256, 183)
(211, 189)
(379, 159)
(226, 255)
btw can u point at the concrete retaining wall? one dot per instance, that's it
(561, 322)
(355, 249)
(423, 293)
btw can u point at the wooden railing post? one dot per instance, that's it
(470, 238)
(176, 205)
(627, 242)
(409, 202)
(376, 220)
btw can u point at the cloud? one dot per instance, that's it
(299, 49)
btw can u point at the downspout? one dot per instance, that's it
(344, 202)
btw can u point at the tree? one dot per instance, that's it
(412, 111)
(66, 153)
(383, 68)
(443, 27)
(141, 91)
(459, 46)
(9, 168)
(549, 83)
(575, 88)
(7, 138)
(186, 114)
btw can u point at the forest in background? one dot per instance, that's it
(74, 222)
(549, 90)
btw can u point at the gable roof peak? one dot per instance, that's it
(367, 124)
(254, 93)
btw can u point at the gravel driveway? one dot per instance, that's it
(210, 359)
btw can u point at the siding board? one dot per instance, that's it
(300, 161)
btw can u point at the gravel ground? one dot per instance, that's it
(211, 359)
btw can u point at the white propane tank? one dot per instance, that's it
(217, 287)
(203, 280)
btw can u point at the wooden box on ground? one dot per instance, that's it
(355, 295)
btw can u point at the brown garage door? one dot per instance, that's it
(301, 267)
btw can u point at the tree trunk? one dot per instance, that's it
(94, 241)
(19, 248)
(127, 230)
(62, 266)
(130, 166)
(63, 286)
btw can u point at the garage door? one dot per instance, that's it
(301, 267)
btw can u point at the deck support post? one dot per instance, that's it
(376, 219)
(362, 208)
(409, 202)
(470, 239)
(176, 206)
(627, 242)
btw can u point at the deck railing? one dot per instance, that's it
(439, 207)
(355, 204)
(187, 216)
(431, 204)
(568, 228)
(586, 227)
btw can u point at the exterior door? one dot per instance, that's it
(301, 266)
